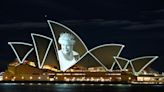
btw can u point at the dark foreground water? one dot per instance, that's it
(38, 87)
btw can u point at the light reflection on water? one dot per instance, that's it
(57, 87)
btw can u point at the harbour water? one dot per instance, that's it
(47, 87)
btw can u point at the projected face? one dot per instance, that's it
(66, 48)
(67, 56)
(67, 42)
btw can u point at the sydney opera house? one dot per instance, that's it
(65, 58)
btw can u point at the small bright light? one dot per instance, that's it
(39, 77)
(22, 77)
(31, 78)
(65, 77)
(56, 78)
(51, 79)
(102, 80)
(6, 77)
(14, 77)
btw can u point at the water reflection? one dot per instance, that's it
(30, 87)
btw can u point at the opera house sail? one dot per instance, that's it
(64, 57)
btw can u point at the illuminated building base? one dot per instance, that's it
(27, 73)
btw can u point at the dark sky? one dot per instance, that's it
(138, 24)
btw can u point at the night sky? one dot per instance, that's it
(138, 24)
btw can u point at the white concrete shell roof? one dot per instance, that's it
(88, 61)
(41, 53)
(122, 62)
(140, 63)
(106, 55)
(22, 53)
(57, 29)
(107, 64)
(91, 59)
